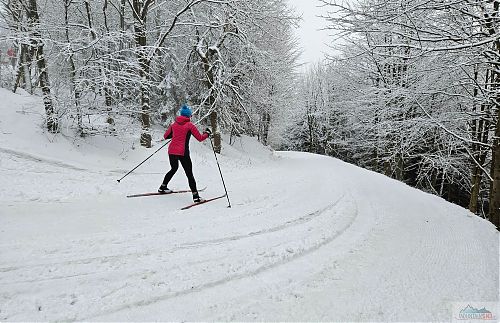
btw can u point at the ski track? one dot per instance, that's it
(266, 257)
(281, 260)
(189, 245)
(42, 178)
(6, 152)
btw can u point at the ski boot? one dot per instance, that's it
(164, 189)
(197, 198)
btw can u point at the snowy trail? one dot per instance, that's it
(414, 259)
(335, 243)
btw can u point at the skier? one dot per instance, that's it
(178, 150)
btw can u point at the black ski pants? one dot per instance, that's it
(188, 169)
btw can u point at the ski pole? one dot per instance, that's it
(224, 184)
(143, 161)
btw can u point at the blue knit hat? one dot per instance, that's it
(186, 111)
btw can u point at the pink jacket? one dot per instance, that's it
(180, 131)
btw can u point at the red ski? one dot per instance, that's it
(157, 193)
(202, 202)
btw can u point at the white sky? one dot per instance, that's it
(312, 40)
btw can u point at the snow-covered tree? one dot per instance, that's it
(431, 59)
(115, 62)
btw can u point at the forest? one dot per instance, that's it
(410, 90)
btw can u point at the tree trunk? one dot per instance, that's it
(27, 71)
(144, 88)
(72, 73)
(140, 13)
(20, 74)
(52, 122)
(76, 94)
(23, 70)
(265, 121)
(106, 67)
(480, 132)
(494, 211)
(310, 127)
(216, 136)
(209, 72)
(476, 184)
(121, 44)
(476, 179)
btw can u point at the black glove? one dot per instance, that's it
(208, 131)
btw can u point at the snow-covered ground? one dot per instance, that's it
(308, 238)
